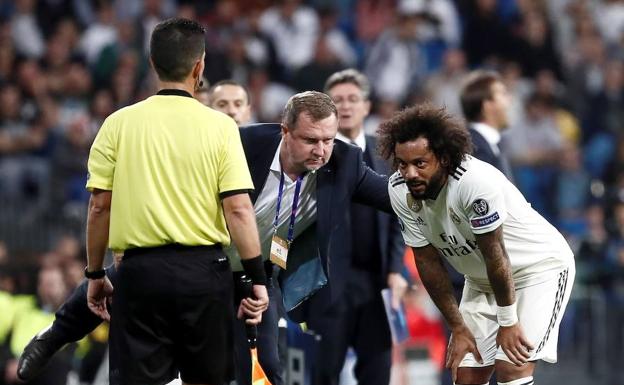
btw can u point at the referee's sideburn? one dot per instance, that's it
(168, 178)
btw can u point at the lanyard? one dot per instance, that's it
(293, 214)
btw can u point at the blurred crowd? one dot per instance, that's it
(65, 65)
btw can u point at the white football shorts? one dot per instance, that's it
(540, 309)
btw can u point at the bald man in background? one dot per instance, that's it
(231, 98)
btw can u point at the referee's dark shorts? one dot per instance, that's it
(180, 299)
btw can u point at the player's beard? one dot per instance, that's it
(435, 184)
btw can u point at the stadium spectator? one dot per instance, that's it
(232, 99)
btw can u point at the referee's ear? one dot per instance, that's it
(198, 68)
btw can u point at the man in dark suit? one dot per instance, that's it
(373, 260)
(485, 102)
(298, 157)
(332, 174)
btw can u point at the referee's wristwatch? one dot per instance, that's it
(94, 274)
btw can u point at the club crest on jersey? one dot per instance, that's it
(456, 219)
(413, 204)
(480, 207)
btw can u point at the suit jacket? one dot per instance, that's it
(483, 151)
(392, 247)
(343, 179)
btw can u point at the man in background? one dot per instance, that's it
(485, 103)
(231, 98)
(374, 260)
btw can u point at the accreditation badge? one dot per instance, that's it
(279, 251)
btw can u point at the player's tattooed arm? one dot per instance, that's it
(510, 338)
(434, 276)
(498, 266)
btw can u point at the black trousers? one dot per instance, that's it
(173, 314)
(359, 323)
(74, 321)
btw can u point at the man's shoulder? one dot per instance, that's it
(396, 180)
(343, 157)
(260, 130)
(260, 141)
(479, 141)
(371, 140)
(396, 186)
(474, 133)
(341, 147)
(147, 107)
(472, 174)
(260, 136)
(128, 110)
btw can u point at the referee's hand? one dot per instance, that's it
(99, 292)
(252, 308)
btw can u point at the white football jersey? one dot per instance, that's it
(477, 199)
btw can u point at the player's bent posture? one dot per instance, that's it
(518, 268)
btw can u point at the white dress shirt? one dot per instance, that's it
(491, 135)
(266, 205)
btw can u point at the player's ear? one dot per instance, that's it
(444, 161)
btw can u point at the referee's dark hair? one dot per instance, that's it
(447, 136)
(476, 89)
(175, 46)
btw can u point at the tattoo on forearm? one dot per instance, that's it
(435, 277)
(498, 266)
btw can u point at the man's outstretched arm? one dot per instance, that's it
(73, 321)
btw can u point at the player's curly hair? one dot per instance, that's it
(447, 136)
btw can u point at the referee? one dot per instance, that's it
(168, 177)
